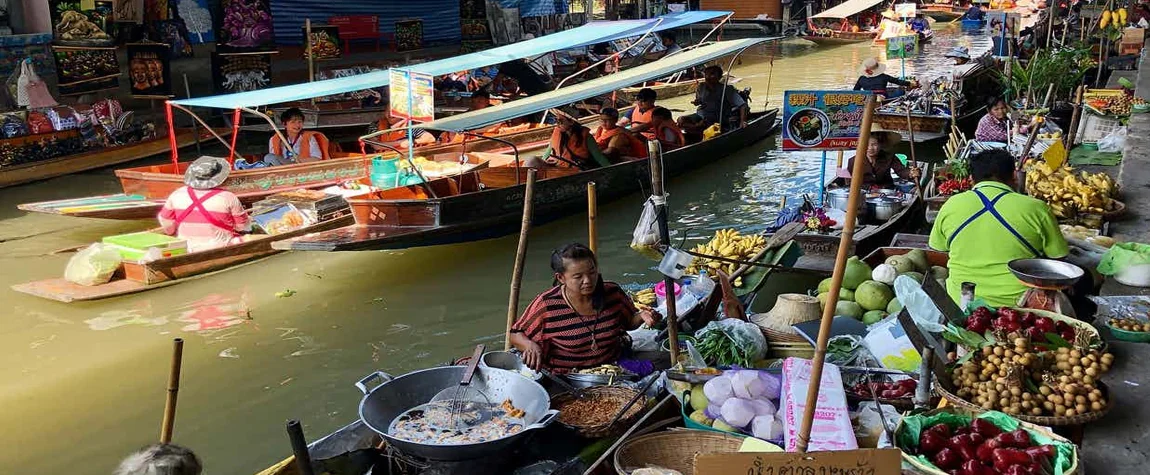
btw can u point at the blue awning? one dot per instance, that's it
(591, 33)
(604, 85)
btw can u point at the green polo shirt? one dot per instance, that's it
(980, 252)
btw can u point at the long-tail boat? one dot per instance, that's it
(488, 203)
(844, 33)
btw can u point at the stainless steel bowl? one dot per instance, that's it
(1046, 272)
(837, 198)
(508, 361)
(588, 380)
(883, 208)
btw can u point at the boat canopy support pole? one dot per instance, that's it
(235, 137)
(520, 257)
(659, 197)
(201, 122)
(592, 218)
(275, 130)
(172, 136)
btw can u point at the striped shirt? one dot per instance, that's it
(571, 341)
(196, 228)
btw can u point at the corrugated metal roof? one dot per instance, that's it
(440, 17)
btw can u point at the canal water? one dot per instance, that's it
(82, 385)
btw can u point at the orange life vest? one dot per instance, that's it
(394, 135)
(573, 149)
(679, 139)
(305, 149)
(636, 147)
(640, 117)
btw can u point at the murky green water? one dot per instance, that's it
(82, 385)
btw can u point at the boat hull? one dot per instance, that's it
(944, 13)
(820, 250)
(842, 38)
(926, 127)
(667, 91)
(496, 211)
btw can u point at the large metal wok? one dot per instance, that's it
(383, 403)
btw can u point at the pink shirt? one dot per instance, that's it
(196, 228)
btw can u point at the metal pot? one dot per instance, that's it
(383, 403)
(837, 198)
(883, 208)
(587, 380)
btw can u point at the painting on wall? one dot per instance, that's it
(78, 23)
(198, 19)
(241, 72)
(150, 69)
(244, 25)
(84, 70)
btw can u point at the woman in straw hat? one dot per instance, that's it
(201, 212)
(873, 78)
(880, 165)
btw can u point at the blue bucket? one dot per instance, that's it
(381, 165)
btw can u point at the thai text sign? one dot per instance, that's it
(843, 462)
(822, 120)
(412, 96)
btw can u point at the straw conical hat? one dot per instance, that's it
(789, 309)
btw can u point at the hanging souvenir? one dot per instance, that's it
(244, 25)
(39, 123)
(175, 34)
(149, 70)
(128, 11)
(31, 91)
(324, 42)
(408, 35)
(198, 19)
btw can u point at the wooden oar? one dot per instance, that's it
(520, 255)
(169, 422)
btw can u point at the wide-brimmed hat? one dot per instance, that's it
(207, 172)
(566, 113)
(872, 67)
(789, 309)
(958, 52)
(891, 138)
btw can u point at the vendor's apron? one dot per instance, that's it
(198, 204)
(988, 207)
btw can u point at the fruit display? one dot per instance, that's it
(1118, 105)
(730, 244)
(1070, 194)
(981, 447)
(1130, 325)
(868, 294)
(955, 185)
(887, 390)
(1008, 321)
(644, 297)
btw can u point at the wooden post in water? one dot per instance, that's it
(520, 255)
(836, 278)
(592, 217)
(173, 390)
(307, 47)
(655, 152)
(299, 448)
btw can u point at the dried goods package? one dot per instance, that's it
(832, 428)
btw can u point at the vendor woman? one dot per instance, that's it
(579, 323)
(881, 166)
(873, 78)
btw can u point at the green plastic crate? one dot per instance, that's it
(133, 246)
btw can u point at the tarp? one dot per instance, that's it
(591, 33)
(604, 85)
(847, 8)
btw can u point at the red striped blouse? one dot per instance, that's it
(571, 341)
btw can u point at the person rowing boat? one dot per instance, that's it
(201, 212)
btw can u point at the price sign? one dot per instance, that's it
(843, 462)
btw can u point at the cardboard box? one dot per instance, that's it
(1132, 41)
(133, 246)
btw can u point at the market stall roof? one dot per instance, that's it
(847, 8)
(591, 33)
(604, 85)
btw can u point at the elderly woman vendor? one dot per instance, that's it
(579, 323)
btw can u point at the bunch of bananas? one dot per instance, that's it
(730, 244)
(1069, 194)
(645, 297)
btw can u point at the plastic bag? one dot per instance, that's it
(1123, 255)
(1114, 142)
(869, 430)
(94, 265)
(644, 339)
(747, 336)
(831, 429)
(646, 232)
(922, 309)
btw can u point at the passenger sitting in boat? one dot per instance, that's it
(617, 143)
(873, 78)
(667, 38)
(974, 13)
(919, 24)
(571, 145)
(581, 321)
(665, 130)
(880, 163)
(714, 100)
(161, 459)
(480, 99)
(993, 126)
(201, 212)
(396, 135)
(525, 76)
(639, 118)
(303, 145)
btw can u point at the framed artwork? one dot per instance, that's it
(175, 35)
(128, 11)
(408, 35)
(198, 20)
(324, 41)
(74, 25)
(244, 25)
(83, 70)
(149, 69)
(241, 72)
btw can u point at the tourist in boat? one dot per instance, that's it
(303, 145)
(873, 78)
(161, 459)
(528, 81)
(617, 143)
(714, 101)
(1018, 226)
(919, 24)
(480, 99)
(202, 213)
(571, 146)
(396, 133)
(667, 38)
(974, 13)
(994, 126)
(881, 166)
(582, 321)
(638, 119)
(664, 129)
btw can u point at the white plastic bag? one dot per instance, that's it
(1114, 142)
(868, 430)
(922, 309)
(644, 339)
(746, 335)
(646, 231)
(94, 265)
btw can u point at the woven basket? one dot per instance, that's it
(604, 430)
(675, 450)
(930, 470)
(1051, 421)
(1079, 325)
(789, 309)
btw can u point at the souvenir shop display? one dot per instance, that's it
(149, 70)
(241, 72)
(81, 23)
(244, 25)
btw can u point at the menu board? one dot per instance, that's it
(822, 120)
(902, 46)
(415, 90)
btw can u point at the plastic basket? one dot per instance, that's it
(1093, 128)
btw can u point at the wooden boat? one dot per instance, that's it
(11, 175)
(973, 24)
(842, 37)
(487, 203)
(136, 277)
(942, 12)
(668, 90)
(926, 127)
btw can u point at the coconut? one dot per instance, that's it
(918, 257)
(825, 285)
(856, 273)
(939, 272)
(900, 264)
(874, 316)
(872, 295)
(849, 309)
(893, 307)
(845, 295)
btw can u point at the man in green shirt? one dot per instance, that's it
(991, 225)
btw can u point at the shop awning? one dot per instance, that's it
(847, 8)
(604, 85)
(588, 34)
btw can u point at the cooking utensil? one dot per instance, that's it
(587, 380)
(884, 207)
(878, 408)
(577, 392)
(510, 362)
(638, 395)
(458, 397)
(1045, 273)
(392, 396)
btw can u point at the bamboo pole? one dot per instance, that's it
(1050, 24)
(520, 255)
(592, 218)
(307, 46)
(839, 161)
(913, 159)
(173, 390)
(299, 448)
(1074, 118)
(836, 278)
(655, 154)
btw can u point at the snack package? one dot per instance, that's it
(832, 428)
